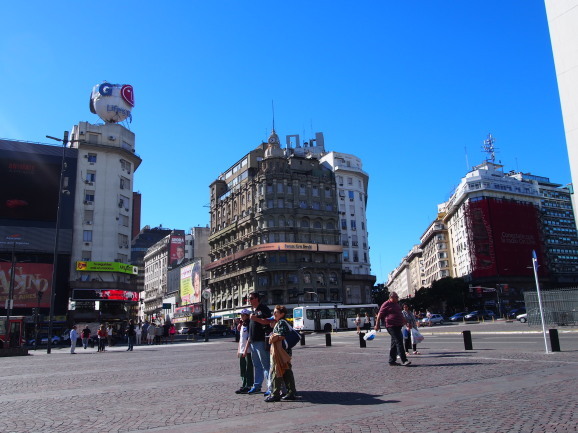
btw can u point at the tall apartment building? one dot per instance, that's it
(167, 253)
(562, 22)
(436, 257)
(409, 276)
(352, 183)
(274, 229)
(490, 225)
(103, 222)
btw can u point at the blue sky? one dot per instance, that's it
(412, 88)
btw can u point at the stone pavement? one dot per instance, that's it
(506, 384)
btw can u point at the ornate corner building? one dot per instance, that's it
(275, 230)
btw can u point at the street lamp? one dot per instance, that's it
(64, 141)
(207, 298)
(39, 296)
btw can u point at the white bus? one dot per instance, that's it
(329, 317)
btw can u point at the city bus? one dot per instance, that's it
(331, 317)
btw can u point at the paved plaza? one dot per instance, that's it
(506, 384)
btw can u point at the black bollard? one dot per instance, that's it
(302, 341)
(361, 340)
(554, 342)
(467, 340)
(328, 339)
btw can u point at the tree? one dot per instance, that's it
(379, 294)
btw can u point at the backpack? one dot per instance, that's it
(291, 339)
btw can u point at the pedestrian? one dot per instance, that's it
(130, 334)
(85, 336)
(159, 334)
(165, 334)
(244, 354)
(358, 323)
(102, 335)
(394, 321)
(151, 330)
(172, 332)
(260, 319)
(410, 323)
(428, 315)
(109, 332)
(366, 322)
(281, 370)
(145, 328)
(138, 334)
(73, 338)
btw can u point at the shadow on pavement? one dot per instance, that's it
(344, 398)
(453, 364)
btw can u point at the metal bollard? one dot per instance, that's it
(302, 341)
(328, 339)
(554, 342)
(361, 340)
(467, 340)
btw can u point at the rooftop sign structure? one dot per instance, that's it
(113, 103)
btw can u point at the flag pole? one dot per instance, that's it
(535, 267)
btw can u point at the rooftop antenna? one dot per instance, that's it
(489, 148)
(273, 111)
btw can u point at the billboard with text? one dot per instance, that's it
(29, 280)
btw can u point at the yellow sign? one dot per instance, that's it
(106, 267)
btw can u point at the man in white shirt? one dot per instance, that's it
(73, 338)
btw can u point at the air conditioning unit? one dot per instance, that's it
(87, 202)
(86, 156)
(126, 209)
(87, 243)
(111, 137)
(89, 222)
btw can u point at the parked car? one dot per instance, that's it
(436, 319)
(217, 330)
(480, 314)
(44, 340)
(514, 313)
(522, 317)
(458, 317)
(183, 331)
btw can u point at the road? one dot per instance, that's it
(506, 384)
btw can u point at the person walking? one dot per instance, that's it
(244, 353)
(358, 323)
(428, 315)
(138, 334)
(172, 332)
(73, 338)
(391, 311)
(281, 371)
(410, 323)
(260, 319)
(145, 328)
(130, 334)
(367, 322)
(151, 333)
(102, 335)
(159, 330)
(85, 336)
(109, 332)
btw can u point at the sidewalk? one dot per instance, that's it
(189, 387)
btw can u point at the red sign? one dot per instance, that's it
(503, 234)
(29, 279)
(177, 251)
(127, 94)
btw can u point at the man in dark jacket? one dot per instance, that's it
(394, 320)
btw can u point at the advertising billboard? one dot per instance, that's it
(29, 279)
(503, 234)
(106, 267)
(177, 250)
(191, 283)
(105, 295)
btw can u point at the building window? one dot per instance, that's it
(89, 196)
(349, 181)
(91, 158)
(88, 215)
(305, 223)
(302, 190)
(315, 191)
(306, 278)
(279, 187)
(90, 176)
(345, 255)
(124, 183)
(86, 256)
(353, 225)
(344, 224)
(87, 235)
(333, 278)
(123, 220)
(351, 195)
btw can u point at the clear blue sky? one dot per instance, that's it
(409, 87)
